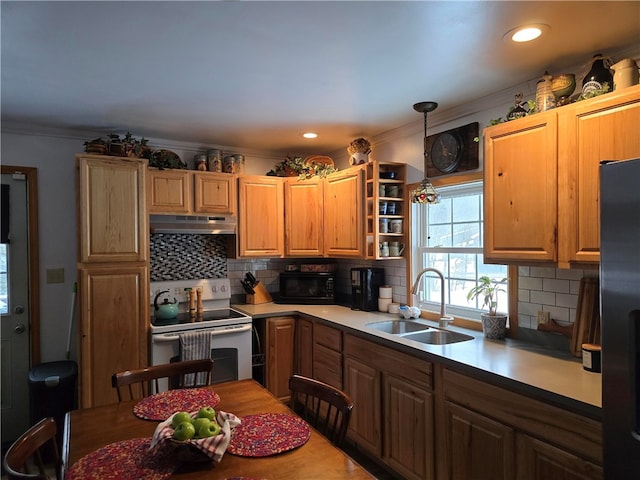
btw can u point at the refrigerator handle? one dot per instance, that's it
(634, 318)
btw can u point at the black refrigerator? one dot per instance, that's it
(620, 310)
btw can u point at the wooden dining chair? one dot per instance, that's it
(324, 407)
(139, 383)
(27, 453)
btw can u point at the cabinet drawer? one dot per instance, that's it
(327, 336)
(327, 366)
(415, 370)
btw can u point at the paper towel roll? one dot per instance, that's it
(386, 291)
(383, 304)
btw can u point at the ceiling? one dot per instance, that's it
(259, 74)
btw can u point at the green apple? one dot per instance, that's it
(180, 417)
(184, 431)
(210, 430)
(206, 412)
(198, 423)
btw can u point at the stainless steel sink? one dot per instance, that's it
(438, 337)
(398, 327)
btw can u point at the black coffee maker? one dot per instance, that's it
(365, 285)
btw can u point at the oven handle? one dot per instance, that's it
(173, 338)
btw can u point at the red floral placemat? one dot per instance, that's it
(268, 434)
(129, 459)
(164, 404)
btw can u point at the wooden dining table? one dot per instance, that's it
(90, 429)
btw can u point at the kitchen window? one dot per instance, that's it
(449, 236)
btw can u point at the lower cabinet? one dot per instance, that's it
(393, 416)
(327, 355)
(280, 338)
(304, 347)
(493, 433)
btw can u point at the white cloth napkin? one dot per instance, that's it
(195, 346)
(214, 447)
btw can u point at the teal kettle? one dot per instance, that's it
(165, 310)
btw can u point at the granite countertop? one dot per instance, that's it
(552, 376)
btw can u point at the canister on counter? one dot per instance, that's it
(592, 357)
(238, 163)
(228, 164)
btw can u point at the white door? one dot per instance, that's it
(14, 308)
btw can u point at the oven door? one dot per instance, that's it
(230, 351)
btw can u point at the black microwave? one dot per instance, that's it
(309, 288)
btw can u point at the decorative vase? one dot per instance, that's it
(599, 74)
(545, 99)
(625, 73)
(494, 326)
(358, 158)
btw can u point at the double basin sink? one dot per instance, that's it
(419, 332)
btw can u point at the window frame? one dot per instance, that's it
(512, 270)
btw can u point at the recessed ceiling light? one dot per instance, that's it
(526, 33)
(310, 135)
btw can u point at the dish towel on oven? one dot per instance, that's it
(195, 346)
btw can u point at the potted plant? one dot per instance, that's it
(494, 324)
(299, 167)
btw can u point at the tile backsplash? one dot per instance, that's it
(186, 257)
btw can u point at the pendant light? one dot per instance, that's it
(426, 192)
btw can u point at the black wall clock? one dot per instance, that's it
(452, 151)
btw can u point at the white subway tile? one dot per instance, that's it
(530, 283)
(545, 298)
(567, 274)
(546, 272)
(553, 285)
(566, 300)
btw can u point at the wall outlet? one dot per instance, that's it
(543, 317)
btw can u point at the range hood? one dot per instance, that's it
(193, 224)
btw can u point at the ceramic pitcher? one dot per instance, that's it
(625, 73)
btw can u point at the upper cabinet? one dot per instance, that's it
(520, 186)
(605, 128)
(343, 213)
(386, 210)
(541, 178)
(112, 212)
(188, 191)
(303, 217)
(261, 216)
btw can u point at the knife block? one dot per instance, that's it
(261, 295)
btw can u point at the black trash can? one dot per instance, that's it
(53, 391)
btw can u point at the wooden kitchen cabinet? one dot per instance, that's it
(477, 446)
(261, 216)
(113, 224)
(113, 317)
(520, 189)
(304, 212)
(113, 272)
(604, 128)
(327, 355)
(363, 384)
(304, 347)
(541, 178)
(191, 192)
(391, 194)
(496, 433)
(280, 338)
(394, 414)
(343, 199)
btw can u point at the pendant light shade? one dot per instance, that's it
(426, 192)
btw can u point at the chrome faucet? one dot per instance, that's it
(445, 319)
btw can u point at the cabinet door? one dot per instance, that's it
(304, 347)
(540, 461)
(261, 216)
(113, 322)
(112, 209)
(605, 128)
(327, 365)
(408, 436)
(280, 349)
(214, 193)
(362, 383)
(477, 446)
(520, 189)
(170, 191)
(303, 217)
(343, 213)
